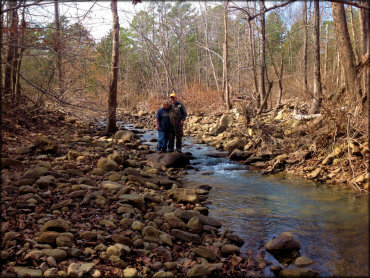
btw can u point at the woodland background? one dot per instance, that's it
(213, 54)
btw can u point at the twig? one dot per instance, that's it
(349, 157)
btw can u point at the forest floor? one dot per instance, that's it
(49, 171)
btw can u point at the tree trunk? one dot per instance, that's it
(112, 101)
(226, 62)
(365, 47)
(305, 48)
(16, 53)
(17, 85)
(58, 50)
(355, 51)
(253, 57)
(326, 55)
(12, 18)
(347, 57)
(317, 94)
(262, 66)
(207, 46)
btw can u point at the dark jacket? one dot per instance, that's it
(177, 113)
(163, 117)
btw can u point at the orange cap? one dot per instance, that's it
(173, 95)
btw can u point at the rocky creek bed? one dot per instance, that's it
(75, 203)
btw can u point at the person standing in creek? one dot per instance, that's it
(178, 115)
(163, 126)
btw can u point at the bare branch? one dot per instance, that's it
(352, 3)
(26, 5)
(249, 17)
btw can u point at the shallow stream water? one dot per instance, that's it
(332, 225)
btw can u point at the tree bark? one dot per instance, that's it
(226, 62)
(207, 46)
(326, 55)
(112, 101)
(253, 57)
(58, 50)
(345, 49)
(365, 47)
(262, 66)
(317, 90)
(12, 23)
(355, 50)
(305, 86)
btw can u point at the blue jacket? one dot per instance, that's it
(163, 117)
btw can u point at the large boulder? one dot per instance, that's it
(172, 159)
(284, 248)
(283, 242)
(225, 121)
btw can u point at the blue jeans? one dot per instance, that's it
(162, 141)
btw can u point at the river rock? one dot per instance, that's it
(133, 199)
(208, 252)
(284, 241)
(45, 144)
(226, 121)
(163, 274)
(116, 261)
(298, 273)
(150, 234)
(117, 157)
(234, 238)
(27, 272)
(183, 195)
(194, 225)
(122, 239)
(58, 254)
(303, 261)
(58, 225)
(236, 143)
(229, 249)
(186, 236)
(49, 237)
(110, 185)
(9, 162)
(107, 164)
(165, 239)
(172, 159)
(34, 173)
(61, 204)
(130, 272)
(8, 237)
(124, 135)
(216, 154)
(174, 221)
(238, 155)
(51, 272)
(64, 241)
(198, 270)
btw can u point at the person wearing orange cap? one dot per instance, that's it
(178, 115)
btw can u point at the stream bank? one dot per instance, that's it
(77, 203)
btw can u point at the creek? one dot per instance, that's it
(332, 225)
